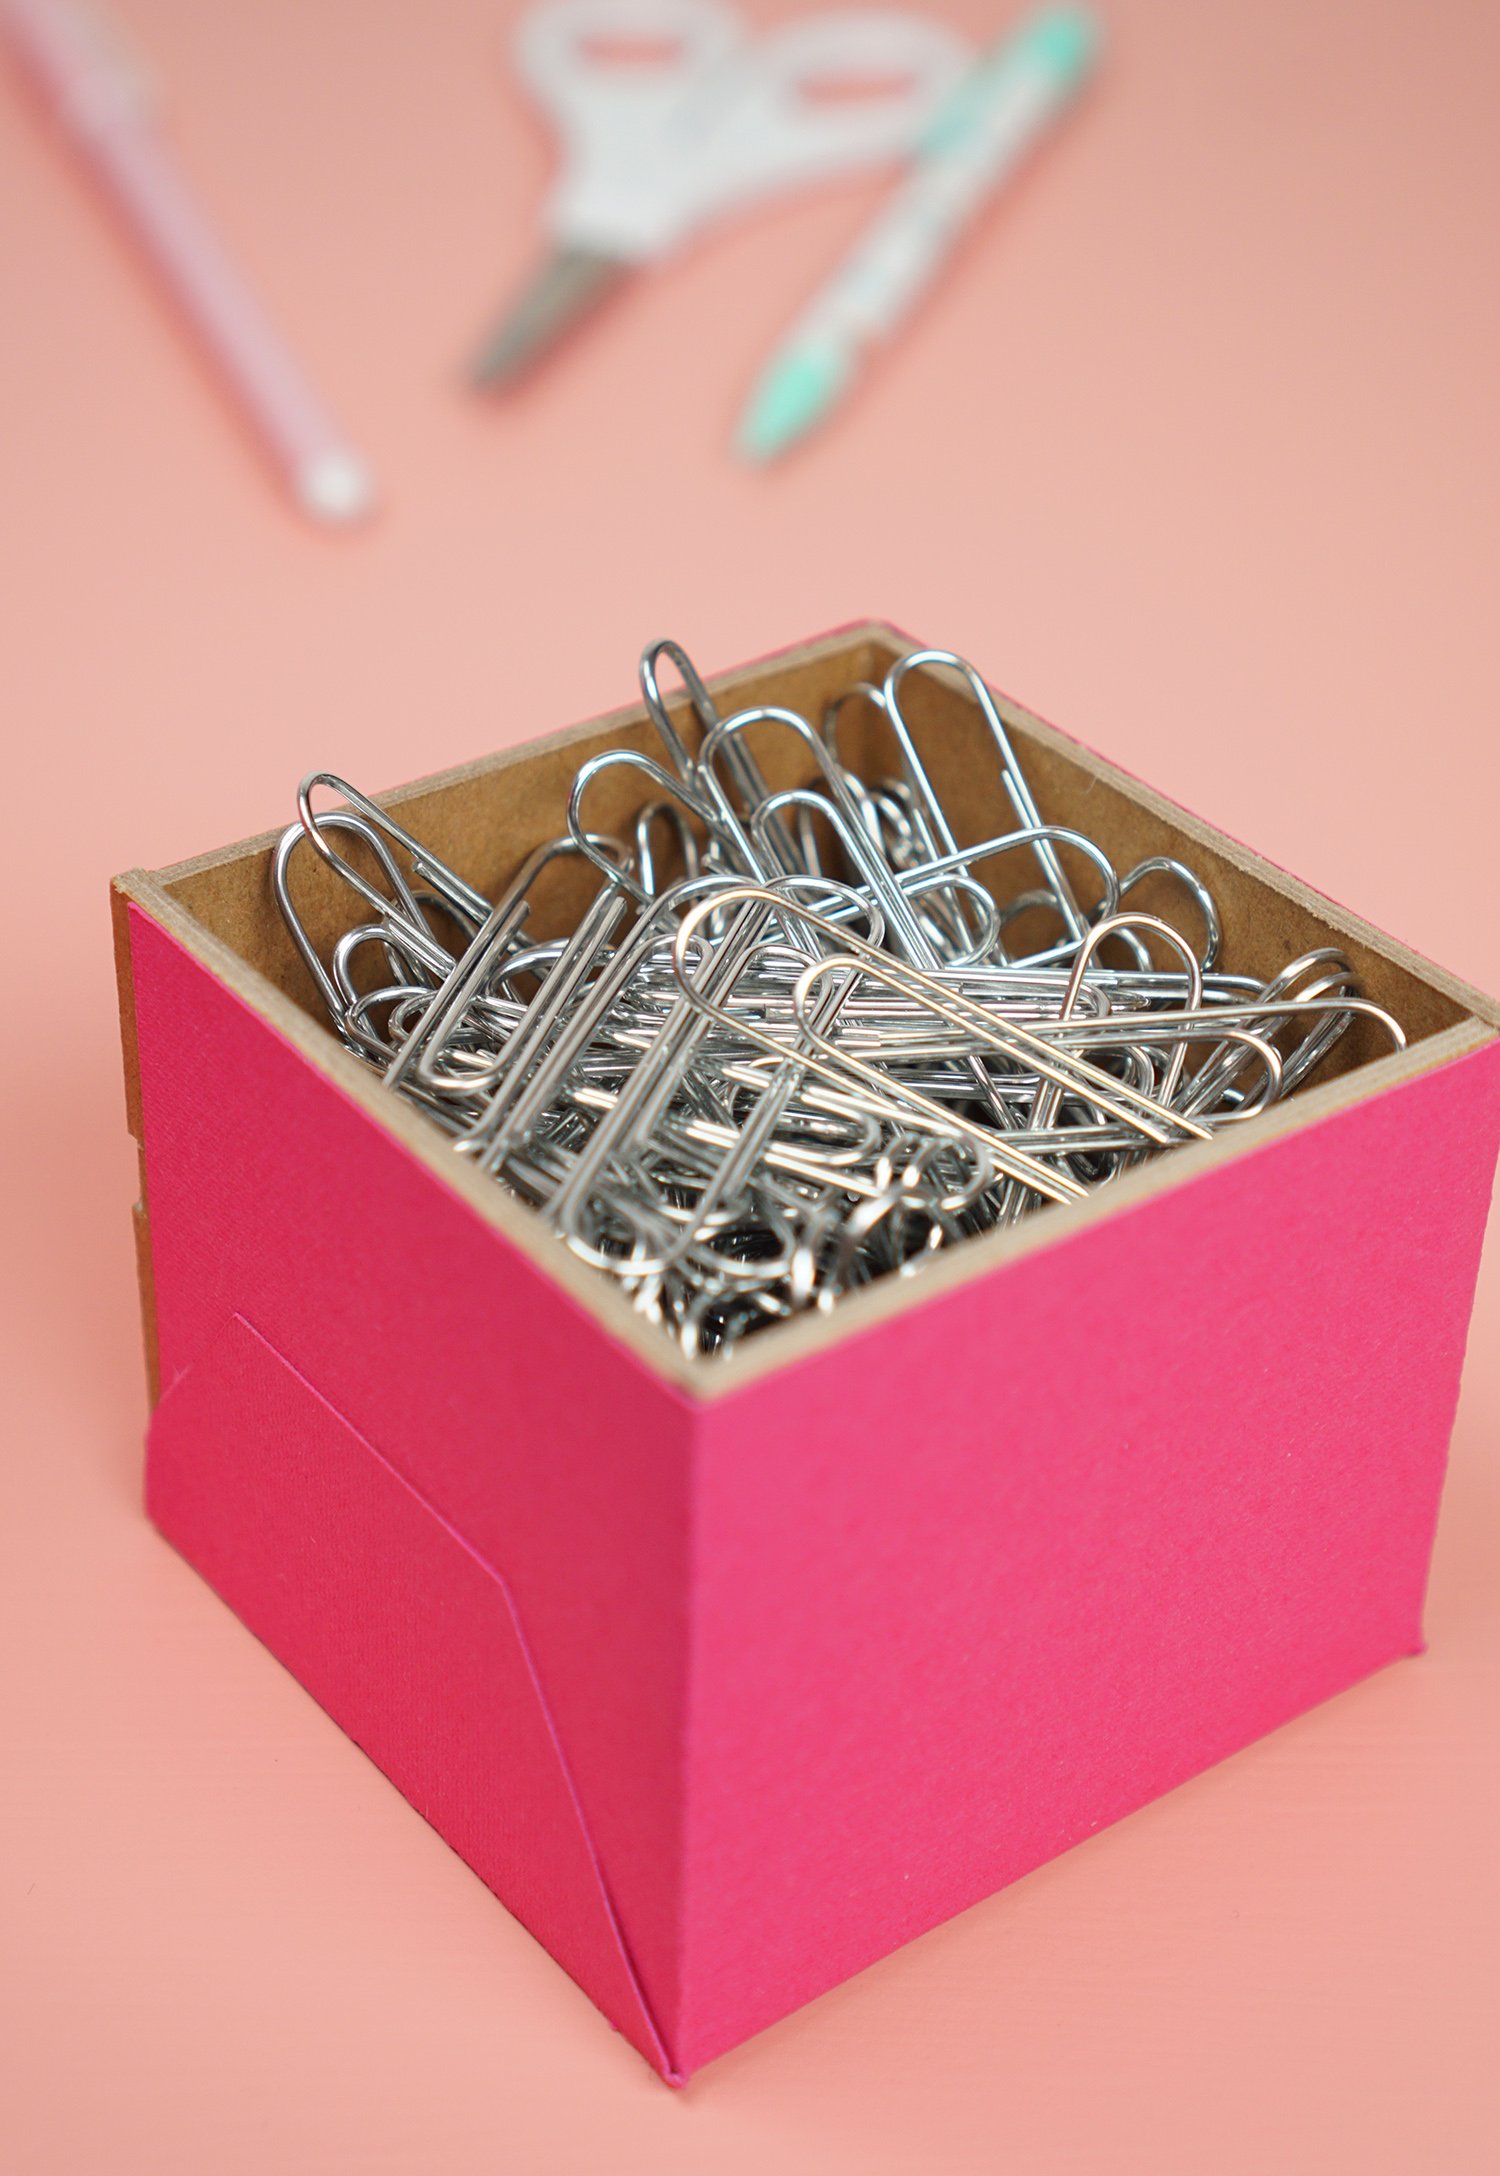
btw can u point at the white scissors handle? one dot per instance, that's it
(564, 53)
(701, 120)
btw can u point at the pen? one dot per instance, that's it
(978, 137)
(104, 102)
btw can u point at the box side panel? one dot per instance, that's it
(408, 1639)
(549, 1449)
(974, 1585)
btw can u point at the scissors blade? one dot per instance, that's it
(570, 286)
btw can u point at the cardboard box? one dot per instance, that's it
(728, 1679)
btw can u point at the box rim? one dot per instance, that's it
(703, 1381)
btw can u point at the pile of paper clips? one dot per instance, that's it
(796, 1066)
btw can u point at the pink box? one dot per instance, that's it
(729, 1679)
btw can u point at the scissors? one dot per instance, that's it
(671, 116)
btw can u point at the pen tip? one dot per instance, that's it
(794, 395)
(335, 486)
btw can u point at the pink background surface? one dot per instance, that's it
(1196, 451)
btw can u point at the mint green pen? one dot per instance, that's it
(981, 133)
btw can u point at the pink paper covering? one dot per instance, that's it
(827, 1659)
(299, 1523)
(561, 1461)
(984, 1581)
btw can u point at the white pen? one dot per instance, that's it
(103, 100)
(979, 136)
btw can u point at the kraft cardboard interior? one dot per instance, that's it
(484, 817)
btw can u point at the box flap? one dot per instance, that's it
(399, 1629)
